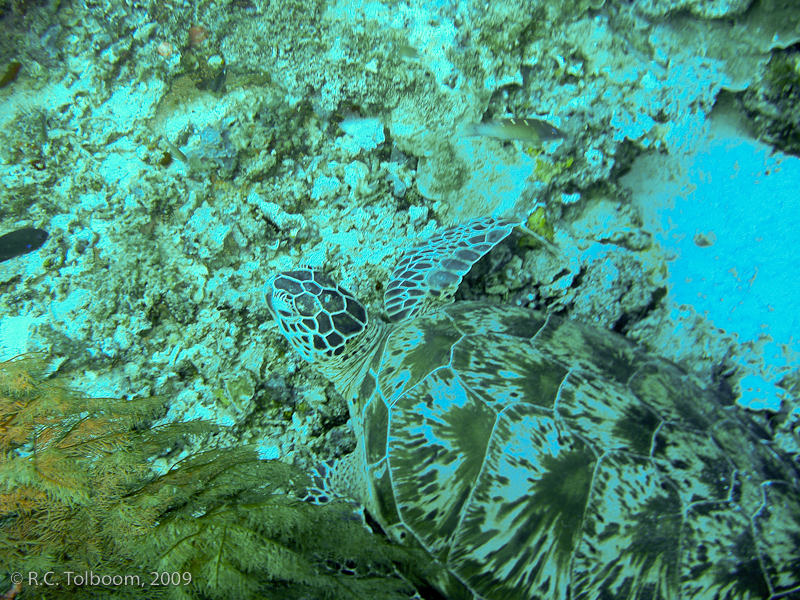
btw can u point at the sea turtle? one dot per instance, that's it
(536, 457)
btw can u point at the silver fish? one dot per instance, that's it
(524, 130)
(175, 151)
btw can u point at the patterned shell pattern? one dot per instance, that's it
(535, 457)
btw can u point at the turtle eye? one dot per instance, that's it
(334, 340)
(346, 325)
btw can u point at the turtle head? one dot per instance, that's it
(317, 315)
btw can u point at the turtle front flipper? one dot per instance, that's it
(429, 273)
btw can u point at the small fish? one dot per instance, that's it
(11, 74)
(408, 51)
(218, 83)
(175, 151)
(525, 130)
(21, 241)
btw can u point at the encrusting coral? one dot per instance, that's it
(80, 502)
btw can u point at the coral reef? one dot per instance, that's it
(177, 158)
(773, 101)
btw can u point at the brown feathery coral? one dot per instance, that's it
(80, 500)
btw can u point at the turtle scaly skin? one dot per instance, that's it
(535, 457)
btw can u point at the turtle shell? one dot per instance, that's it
(534, 457)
